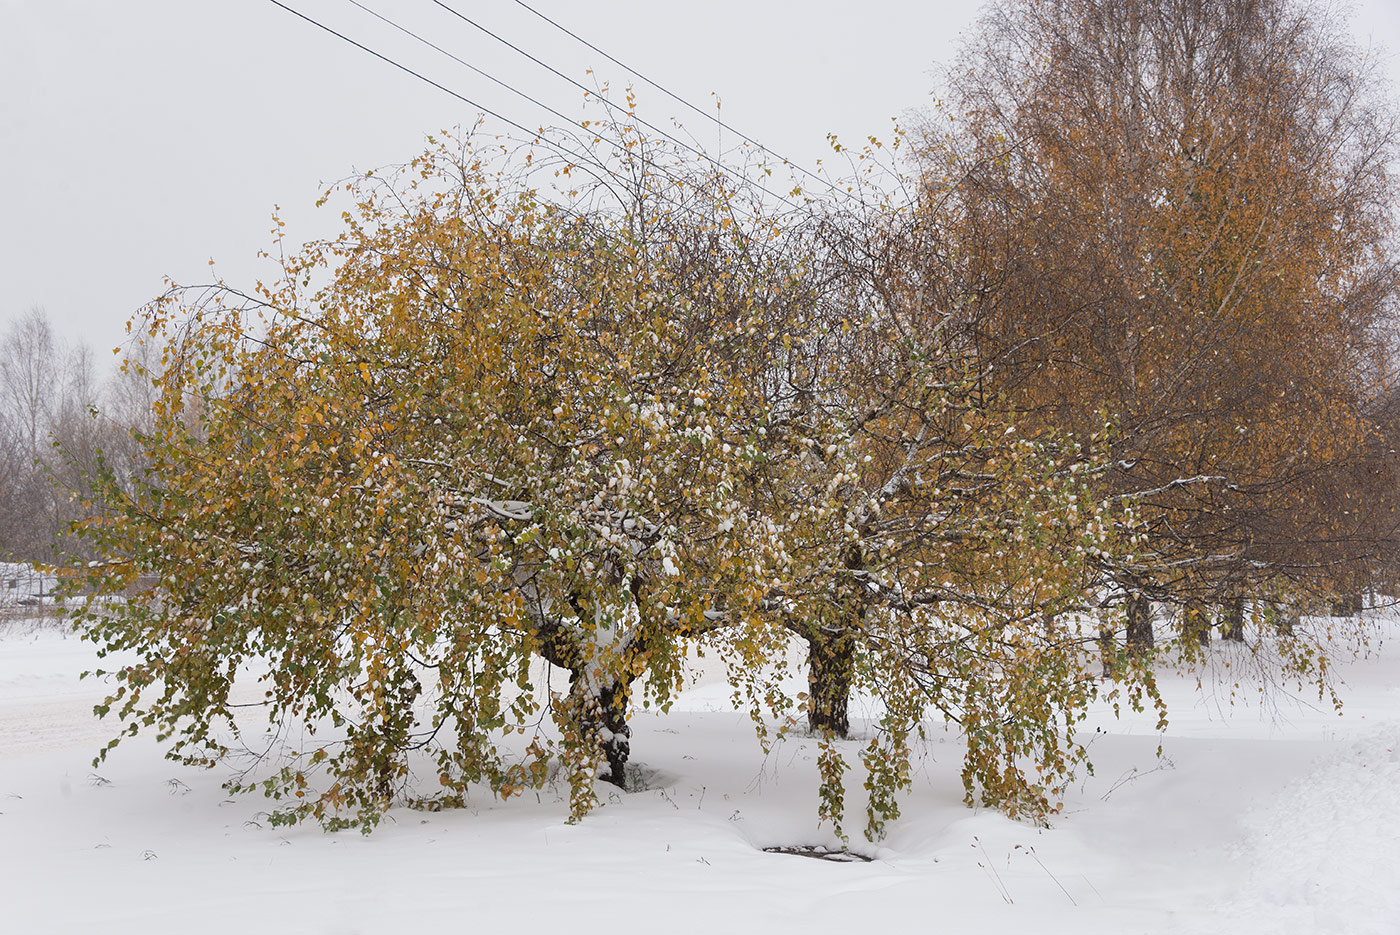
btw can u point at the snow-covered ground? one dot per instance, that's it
(1271, 819)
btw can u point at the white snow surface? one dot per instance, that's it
(1275, 817)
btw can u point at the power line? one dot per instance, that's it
(671, 94)
(485, 74)
(580, 160)
(587, 163)
(610, 105)
(404, 68)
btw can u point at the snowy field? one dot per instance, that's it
(1280, 818)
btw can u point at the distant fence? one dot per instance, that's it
(24, 590)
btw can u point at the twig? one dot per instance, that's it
(1002, 891)
(1031, 852)
(1134, 774)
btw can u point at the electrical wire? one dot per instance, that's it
(580, 159)
(483, 73)
(675, 97)
(404, 68)
(612, 106)
(586, 163)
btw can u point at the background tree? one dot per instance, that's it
(1177, 217)
(29, 373)
(56, 421)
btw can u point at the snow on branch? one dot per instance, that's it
(1179, 482)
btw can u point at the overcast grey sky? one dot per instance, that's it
(142, 138)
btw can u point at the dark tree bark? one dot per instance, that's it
(603, 716)
(1232, 620)
(617, 742)
(1140, 639)
(1108, 646)
(1348, 605)
(831, 656)
(830, 669)
(1195, 623)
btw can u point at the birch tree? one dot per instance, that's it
(505, 427)
(1177, 218)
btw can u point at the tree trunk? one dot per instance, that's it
(1108, 645)
(600, 716)
(830, 669)
(1232, 620)
(616, 734)
(1195, 623)
(1348, 605)
(1139, 641)
(599, 711)
(831, 657)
